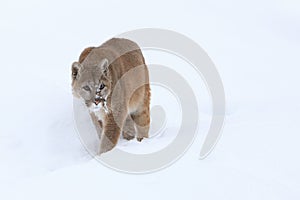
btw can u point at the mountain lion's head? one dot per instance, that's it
(91, 83)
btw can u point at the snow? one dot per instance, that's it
(255, 47)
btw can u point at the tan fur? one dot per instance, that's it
(85, 53)
(127, 105)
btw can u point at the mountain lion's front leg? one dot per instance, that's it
(111, 131)
(97, 123)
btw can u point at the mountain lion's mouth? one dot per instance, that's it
(99, 104)
(99, 100)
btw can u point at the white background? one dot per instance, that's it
(255, 46)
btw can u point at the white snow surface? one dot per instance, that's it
(255, 46)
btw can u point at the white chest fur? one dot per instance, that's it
(99, 110)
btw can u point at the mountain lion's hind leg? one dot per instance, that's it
(142, 123)
(128, 130)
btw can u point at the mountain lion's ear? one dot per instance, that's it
(103, 66)
(75, 68)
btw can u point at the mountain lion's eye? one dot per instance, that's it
(102, 86)
(87, 88)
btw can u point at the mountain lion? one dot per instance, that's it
(112, 80)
